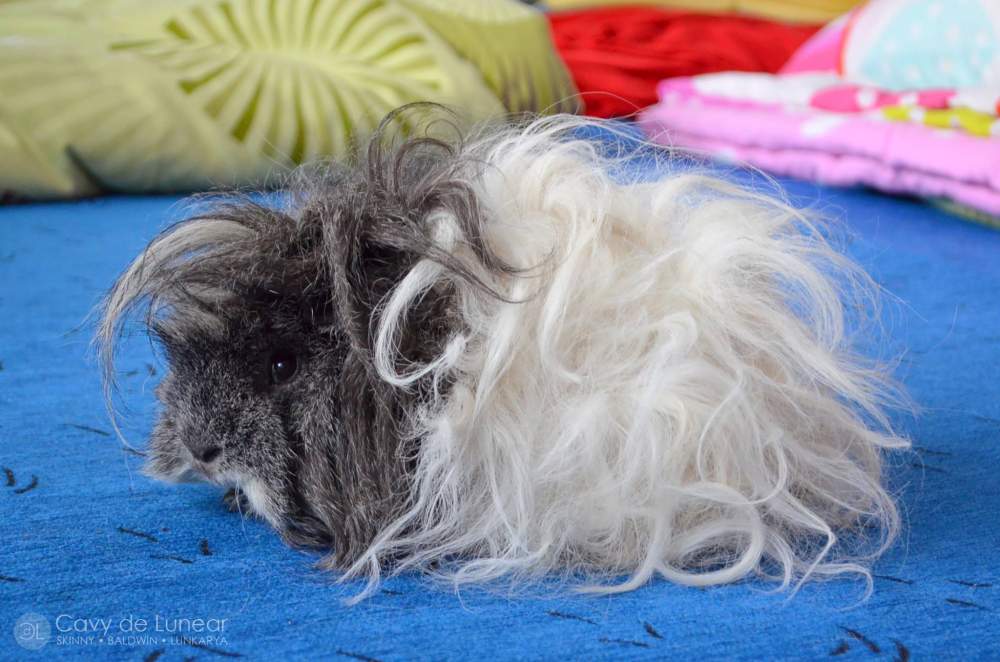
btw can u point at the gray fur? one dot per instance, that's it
(225, 290)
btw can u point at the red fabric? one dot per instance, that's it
(626, 51)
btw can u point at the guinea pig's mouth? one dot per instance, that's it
(203, 473)
(181, 467)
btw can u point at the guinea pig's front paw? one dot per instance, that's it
(236, 501)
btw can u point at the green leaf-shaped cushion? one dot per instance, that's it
(132, 95)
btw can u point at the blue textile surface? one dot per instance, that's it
(87, 542)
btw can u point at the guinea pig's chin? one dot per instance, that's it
(261, 500)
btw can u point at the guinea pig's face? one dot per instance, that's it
(265, 320)
(238, 389)
(267, 315)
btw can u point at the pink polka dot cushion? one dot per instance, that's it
(910, 44)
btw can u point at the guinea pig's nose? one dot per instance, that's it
(204, 451)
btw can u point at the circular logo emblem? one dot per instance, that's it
(32, 631)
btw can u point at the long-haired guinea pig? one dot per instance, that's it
(505, 356)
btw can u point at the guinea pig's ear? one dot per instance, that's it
(406, 205)
(363, 265)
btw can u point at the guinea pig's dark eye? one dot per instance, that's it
(283, 367)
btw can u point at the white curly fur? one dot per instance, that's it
(670, 390)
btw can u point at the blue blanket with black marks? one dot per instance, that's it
(97, 561)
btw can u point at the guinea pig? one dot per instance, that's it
(515, 355)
